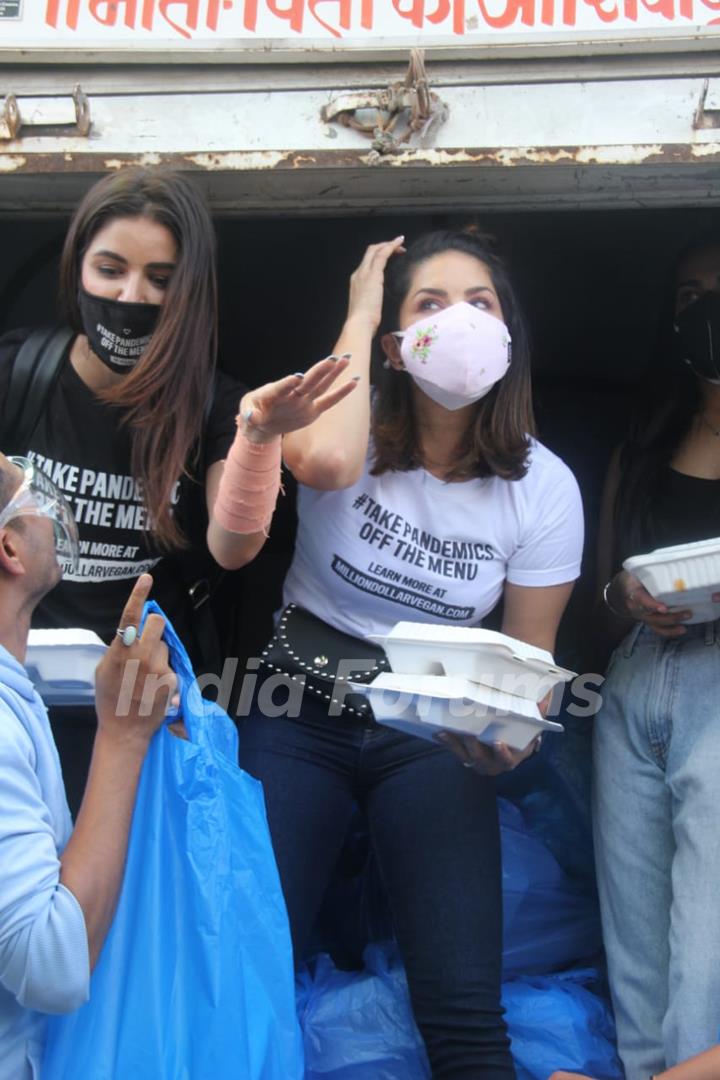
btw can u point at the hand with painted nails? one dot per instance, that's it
(485, 758)
(292, 403)
(366, 284)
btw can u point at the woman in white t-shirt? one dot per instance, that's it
(427, 500)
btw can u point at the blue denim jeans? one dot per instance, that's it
(434, 831)
(656, 803)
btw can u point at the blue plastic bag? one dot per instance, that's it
(195, 979)
(553, 790)
(359, 1025)
(549, 920)
(560, 1022)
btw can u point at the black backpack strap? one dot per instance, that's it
(34, 374)
(196, 567)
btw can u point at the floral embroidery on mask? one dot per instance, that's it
(423, 340)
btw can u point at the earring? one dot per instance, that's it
(386, 364)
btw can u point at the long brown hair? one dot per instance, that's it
(668, 398)
(163, 398)
(496, 442)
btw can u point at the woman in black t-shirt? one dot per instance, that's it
(657, 736)
(138, 420)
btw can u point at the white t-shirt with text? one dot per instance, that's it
(406, 545)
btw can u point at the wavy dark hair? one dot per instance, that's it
(163, 398)
(669, 396)
(497, 440)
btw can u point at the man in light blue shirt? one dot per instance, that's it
(59, 885)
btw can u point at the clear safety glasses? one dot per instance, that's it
(39, 496)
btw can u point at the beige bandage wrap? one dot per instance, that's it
(249, 485)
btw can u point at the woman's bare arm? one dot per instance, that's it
(331, 452)
(625, 599)
(532, 615)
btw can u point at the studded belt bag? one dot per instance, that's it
(324, 659)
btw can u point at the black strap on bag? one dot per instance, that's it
(34, 373)
(200, 576)
(198, 571)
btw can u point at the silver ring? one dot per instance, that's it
(468, 764)
(128, 635)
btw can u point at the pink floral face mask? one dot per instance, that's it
(456, 355)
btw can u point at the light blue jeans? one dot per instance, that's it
(656, 805)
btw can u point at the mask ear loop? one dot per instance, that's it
(686, 360)
(712, 350)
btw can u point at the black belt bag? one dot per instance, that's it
(324, 660)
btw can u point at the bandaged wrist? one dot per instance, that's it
(249, 485)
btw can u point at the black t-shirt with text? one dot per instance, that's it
(82, 446)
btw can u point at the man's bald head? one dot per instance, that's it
(29, 568)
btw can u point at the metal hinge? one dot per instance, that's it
(56, 116)
(393, 115)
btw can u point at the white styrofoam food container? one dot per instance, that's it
(684, 577)
(61, 664)
(428, 704)
(484, 656)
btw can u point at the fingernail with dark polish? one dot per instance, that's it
(346, 356)
(356, 378)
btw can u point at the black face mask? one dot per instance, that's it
(118, 332)
(697, 335)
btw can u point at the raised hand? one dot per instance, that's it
(366, 284)
(292, 403)
(134, 683)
